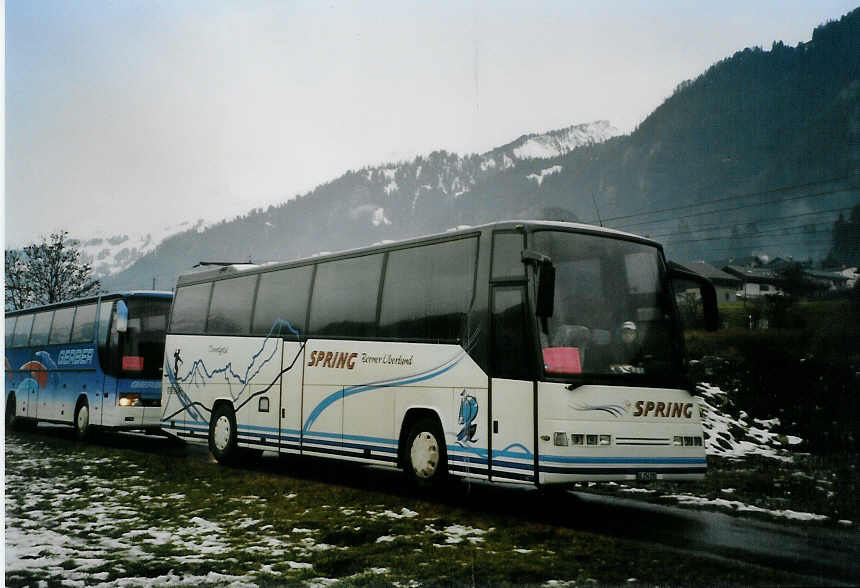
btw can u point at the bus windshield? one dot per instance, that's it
(142, 346)
(612, 310)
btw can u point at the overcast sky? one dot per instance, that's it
(125, 117)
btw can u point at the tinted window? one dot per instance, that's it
(428, 290)
(230, 311)
(62, 327)
(22, 330)
(85, 319)
(189, 309)
(142, 346)
(508, 255)
(511, 358)
(283, 295)
(104, 322)
(345, 296)
(105, 315)
(41, 328)
(10, 330)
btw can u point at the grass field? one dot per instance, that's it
(89, 514)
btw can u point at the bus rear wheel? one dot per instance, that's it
(82, 420)
(13, 422)
(10, 412)
(426, 457)
(222, 434)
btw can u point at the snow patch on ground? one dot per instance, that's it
(735, 437)
(742, 507)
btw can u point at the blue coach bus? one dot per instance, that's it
(92, 362)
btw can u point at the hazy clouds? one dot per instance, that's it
(127, 116)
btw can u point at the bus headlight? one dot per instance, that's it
(129, 400)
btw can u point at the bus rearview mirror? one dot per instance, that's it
(683, 279)
(121, 317)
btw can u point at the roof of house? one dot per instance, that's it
(717, 276)
(753, 274)
(825, 275)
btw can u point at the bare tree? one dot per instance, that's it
(47, 272)
(18, 287)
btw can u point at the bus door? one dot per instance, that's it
(32, 405)
(96, 395)
(290, 409)
(106, 398)
(512, 388)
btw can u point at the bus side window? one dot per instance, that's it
(10, 329)
(61, 330)
(85, 318)
(508, 255)
(345, 297)
(230, 310)
(282, 296)
(427, 291)
(190, 309)
(22, 330)
(41, 328)
(511, 356)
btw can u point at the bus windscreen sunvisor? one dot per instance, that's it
(562, 360)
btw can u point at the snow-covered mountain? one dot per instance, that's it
(111, 254)
(387, 201)
(554, 143)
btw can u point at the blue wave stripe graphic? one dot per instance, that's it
(512, 465)
(392, 383)
(506, 452)
(624, 460)
(309, 444)
(467, 459)
(351, 437)
(257, 428)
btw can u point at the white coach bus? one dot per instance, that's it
(533, 352)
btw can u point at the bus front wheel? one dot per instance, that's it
(426, 458)
(222, 434)
(82, 420)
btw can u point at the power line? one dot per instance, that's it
(749, 233)
(733, 197)
(723, 210)
(757, 222)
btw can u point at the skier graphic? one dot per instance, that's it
(468, 413)
(176, 361)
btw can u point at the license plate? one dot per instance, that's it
(646, 476)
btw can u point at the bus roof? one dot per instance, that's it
(208, 273)
(104, 296)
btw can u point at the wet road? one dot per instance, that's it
(816, 554)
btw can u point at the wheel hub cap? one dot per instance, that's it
(83, 418)
(222, 433)
(425, 455)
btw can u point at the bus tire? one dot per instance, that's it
(222, 434)
(11, 417)
(426, 459)
(82, 419)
